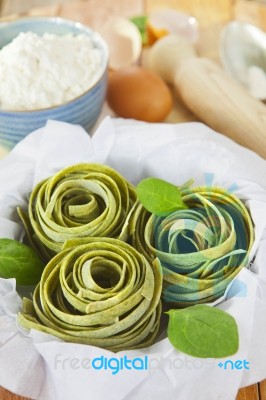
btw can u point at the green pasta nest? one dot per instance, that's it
(201, 248)
(98, 291)
(84, 200)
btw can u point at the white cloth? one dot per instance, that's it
(37, 365)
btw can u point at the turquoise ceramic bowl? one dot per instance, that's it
(83, 110)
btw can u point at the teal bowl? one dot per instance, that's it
(83, 110)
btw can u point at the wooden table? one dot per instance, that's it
(211, 15)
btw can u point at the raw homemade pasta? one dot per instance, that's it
(98, 291)
(84, 200)
(201, 248)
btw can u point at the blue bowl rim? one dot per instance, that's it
(67, 22)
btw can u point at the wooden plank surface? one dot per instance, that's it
(6, 395)
(262, 390)
(212, 15)
(249, 393)
(207, 12)
(253, 12)
(254, 392)
(86, 11)
(23, 6)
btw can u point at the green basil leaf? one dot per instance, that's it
(203, 331)
(19, 261)
(141, 22)
(160, 197)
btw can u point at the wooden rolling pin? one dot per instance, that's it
(213, 96)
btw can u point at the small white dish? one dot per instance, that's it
(243, 54)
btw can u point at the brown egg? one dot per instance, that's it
(136, 92)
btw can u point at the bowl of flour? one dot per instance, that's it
(50, 68)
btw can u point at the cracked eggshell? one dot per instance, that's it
(163, 22)
(124, 42)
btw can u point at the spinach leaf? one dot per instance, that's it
(19, 261)
(160, 197)
(141, 22)
(203, 331)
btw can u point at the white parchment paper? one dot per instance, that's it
(39, 366)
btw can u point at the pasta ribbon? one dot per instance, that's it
(98, 291)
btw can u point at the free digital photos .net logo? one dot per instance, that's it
(116, 365)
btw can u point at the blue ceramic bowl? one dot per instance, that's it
(83, 110)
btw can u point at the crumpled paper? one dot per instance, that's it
(40, 366)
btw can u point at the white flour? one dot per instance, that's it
(43, 71)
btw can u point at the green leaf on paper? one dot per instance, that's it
(19, 261)
(203, 331)
(160, 197)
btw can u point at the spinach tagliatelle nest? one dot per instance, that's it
(201, 248)
(98, 291)
(84, 200)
